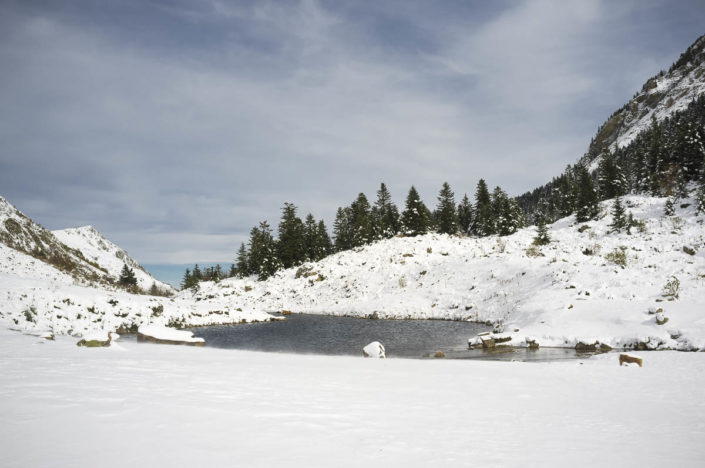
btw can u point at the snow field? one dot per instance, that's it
(140, 404)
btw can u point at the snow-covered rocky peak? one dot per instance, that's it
(99, 250)
(660, 96)
(20, 233)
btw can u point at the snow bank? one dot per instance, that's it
(163, 334)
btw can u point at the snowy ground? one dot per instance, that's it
(159, 405)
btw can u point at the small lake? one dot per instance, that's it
(325, 334)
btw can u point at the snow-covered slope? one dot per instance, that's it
(19, 232)
(35, 297)
(107, 255)
(661, 96)
(561, 294)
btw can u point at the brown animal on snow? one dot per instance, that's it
(629, 359)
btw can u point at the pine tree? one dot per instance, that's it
(446, 216)
(127, 276)
(189, 280)
(197, 274)
(386, 214)
(310, 237)
(233, 271)
(415, 218)
(587, 198)
(611, 180)
(669, 209)
(618, 216)
(483, 224)
(342, 230)
(242, 261)
(542, 237)
(263, 259)
(292, 243)
(362, 229)
(324, 246)
(465, 215)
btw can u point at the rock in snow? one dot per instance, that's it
(374, 350)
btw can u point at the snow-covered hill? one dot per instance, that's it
(19, 232)
(107, 255)
(573, 290)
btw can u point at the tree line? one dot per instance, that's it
(361, 223)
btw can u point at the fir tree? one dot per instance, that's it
(483, 224)
(415, 218)
(189, 280)
(446, 216)
(542, 237)
(263, 259)
(587, 198)
(292, 243)
(324, 247)
(611, 180)
(310, 237)
(465, 215)
(361, 223)
(242, 262)
(197, 274)
(386, 214)
(127, 276)
(618, 216)
(342, 230)
(669, 209)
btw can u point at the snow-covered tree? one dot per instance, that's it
(446, 216)
(415, 218)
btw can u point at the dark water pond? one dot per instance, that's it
(323, 334)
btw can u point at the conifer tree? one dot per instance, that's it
(669, 209)
(324, 247)
(618, 216)
(310, 237)
(292, 243)
(611, 180)
(586, 208)
(189, 280)
(263, 259)
(415, 218)
(342, 230)
(242, 262)
(197, 274)
(446, 216)
(465, 215)
(233, 271)
(127, 276)
(542, 237)
(362, 229)
(483, 224)
(386, 214)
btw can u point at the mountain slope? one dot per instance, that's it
(19, 232)
(107, 255)
(661, 96)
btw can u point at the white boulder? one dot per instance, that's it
(374, 350)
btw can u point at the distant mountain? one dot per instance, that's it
(96, 248)
(82, 253)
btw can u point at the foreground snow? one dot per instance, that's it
(140, 404)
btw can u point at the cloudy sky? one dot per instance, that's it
(175, 126)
